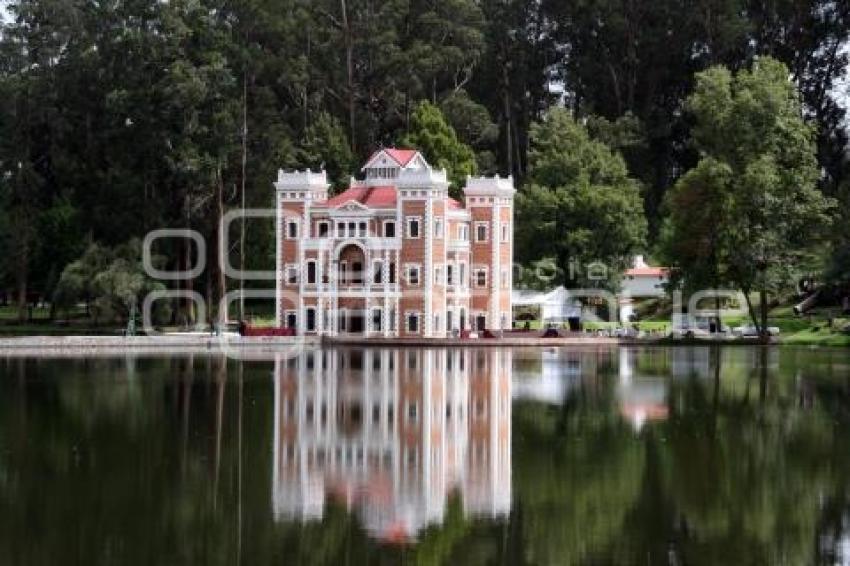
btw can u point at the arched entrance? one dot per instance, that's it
(351, 265)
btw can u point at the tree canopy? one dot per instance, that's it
(438, 141)
(116, 118)
(580, 206)
(751, 208)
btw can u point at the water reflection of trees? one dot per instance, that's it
(746, 468)
(138, 463)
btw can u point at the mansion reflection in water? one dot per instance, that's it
(392, 433)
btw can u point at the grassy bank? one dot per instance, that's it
(819, 327)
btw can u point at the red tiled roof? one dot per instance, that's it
(454, 203)
(401, 156)
(647, 271)
(373, 197)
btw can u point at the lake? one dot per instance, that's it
(630, 455)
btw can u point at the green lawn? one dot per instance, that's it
(811, 329)
(820, 337)
(74, 322)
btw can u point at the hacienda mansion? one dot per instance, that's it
(394, 255)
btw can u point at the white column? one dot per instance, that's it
(385, 272)
(510, 290)
(302, 277)
(428, 274)
(278, 314)
(495, 267)
(303, 234)
(398, 315)
(320, 261)
(334, 282)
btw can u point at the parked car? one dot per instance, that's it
(698, 326)
(689, 332)
(551, 332)
(750, 331)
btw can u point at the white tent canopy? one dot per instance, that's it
(556, 305)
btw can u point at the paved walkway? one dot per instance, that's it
(203, 341)
(508, 340)
(166, 343)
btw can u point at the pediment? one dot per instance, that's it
(351, 206)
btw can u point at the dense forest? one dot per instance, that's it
(124, 116)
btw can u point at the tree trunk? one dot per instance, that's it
(189, 304)
(751, 310)
(349, 62)
(21, 282)
(244, 169)
(763, 307)
(221, 283)
(506, 102)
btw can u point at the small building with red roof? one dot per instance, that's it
(393, 255)
(641, 281)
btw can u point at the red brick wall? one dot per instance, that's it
(412, 251)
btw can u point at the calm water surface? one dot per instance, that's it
(491, 456)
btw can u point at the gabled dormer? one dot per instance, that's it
(386, 163)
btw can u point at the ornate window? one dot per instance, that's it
(292, 229)
(412, 226)
(412, 274)
(291, 274)
(438, 227)
(389, 229)
(412, 319)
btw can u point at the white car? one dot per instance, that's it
(752, 331)
(689, 332)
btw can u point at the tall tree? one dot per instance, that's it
(513, 81)
(32, 56)
(326, 147)
(759, 169)
(438, 141)
(474, 127)
(811, 39)
(580, 206)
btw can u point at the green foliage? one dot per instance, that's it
(474, 127)
(111, 281)
(116, 118)
(689, 238)
(326, 146)
(580, 206)
(838, 264)
(438, 141)
(626, 135)
(750, 209)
